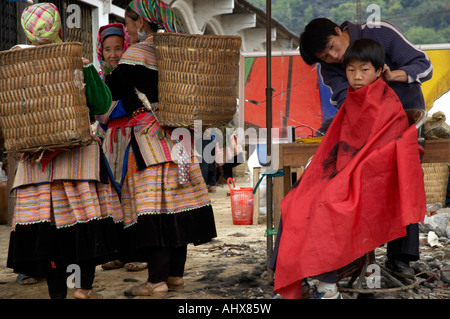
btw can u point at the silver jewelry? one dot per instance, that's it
(141, 35)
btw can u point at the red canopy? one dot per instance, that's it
(296, 97)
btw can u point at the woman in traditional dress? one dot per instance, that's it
(112, 41)
(166, 205)
(66, 204)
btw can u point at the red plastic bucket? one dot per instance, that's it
(241, 204)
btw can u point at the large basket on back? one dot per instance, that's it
(42, 99)
(198, 77)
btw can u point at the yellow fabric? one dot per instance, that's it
(439, 84)
(310, 139)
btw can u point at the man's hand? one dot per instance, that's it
(393, 76)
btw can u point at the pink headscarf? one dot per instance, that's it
(103, 33)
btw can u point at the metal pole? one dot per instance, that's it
(269, 125)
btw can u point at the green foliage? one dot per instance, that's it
(422, 35)
(422, 21)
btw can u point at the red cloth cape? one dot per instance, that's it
(362, 188)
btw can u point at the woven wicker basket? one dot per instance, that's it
(198, 77)
(42, 98)
(436, 180)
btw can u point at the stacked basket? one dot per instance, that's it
(198, 77)
(436, 179)
(42, 98)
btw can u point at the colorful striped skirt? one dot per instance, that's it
(66, 203)
(155, 190)
(160, 212)
(68, 221)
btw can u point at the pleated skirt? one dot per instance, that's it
(160, 212)
(66, 221)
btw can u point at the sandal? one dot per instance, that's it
(112, 264)
(26, 280)
(135, 266)
(147, 289)
(80, 294)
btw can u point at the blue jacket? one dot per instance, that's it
(400, 55)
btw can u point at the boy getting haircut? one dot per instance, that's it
(331, 217)
(363, 62)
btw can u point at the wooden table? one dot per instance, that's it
(296, 155)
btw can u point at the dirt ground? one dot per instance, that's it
(232, 266)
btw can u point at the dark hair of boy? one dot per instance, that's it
(315, 38)
(365, 50)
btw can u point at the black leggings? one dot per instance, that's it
(166, 261)
(57, 279)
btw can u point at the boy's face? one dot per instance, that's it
(335, 49)
(360, 73)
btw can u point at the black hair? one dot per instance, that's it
(366, 50)
(315, 37)
(130, 13)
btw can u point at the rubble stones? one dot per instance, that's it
(433, 267)
(439, 223)
(445, 273)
